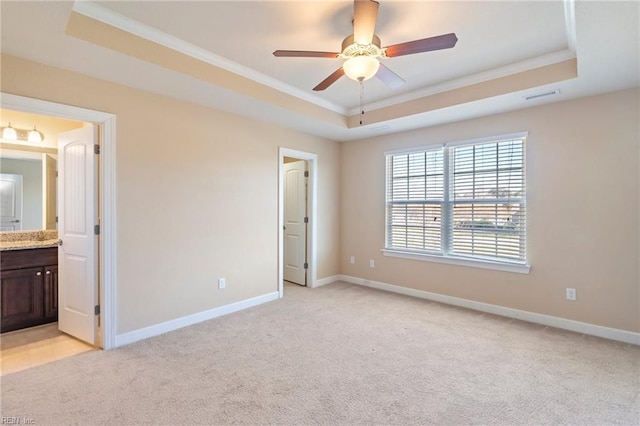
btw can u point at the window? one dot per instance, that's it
(460, 201)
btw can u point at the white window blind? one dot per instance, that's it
(415, 195)
(464, 201)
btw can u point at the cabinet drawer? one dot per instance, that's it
(28, 258)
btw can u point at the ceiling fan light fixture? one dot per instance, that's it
(361, 68)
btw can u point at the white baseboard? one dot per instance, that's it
(327, 280)
(165, 327)
(563, 323)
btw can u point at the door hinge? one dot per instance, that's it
(96, 310)
(96, 229)
(56, 219)
(306, 173)
(96, 149)
(56, 173)
(306, 220)
(306, 265)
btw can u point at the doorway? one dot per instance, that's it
(297, 210)
(38, 290)
(296, 220)
(106, 198)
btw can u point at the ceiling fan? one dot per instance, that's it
(362, 49)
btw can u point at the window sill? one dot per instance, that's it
(473, 263)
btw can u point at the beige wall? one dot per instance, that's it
(197, 200)
(583, 212)
(197, 195)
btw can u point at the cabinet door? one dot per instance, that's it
(51, 292)
(22, 304)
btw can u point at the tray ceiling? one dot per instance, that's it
(219, 53)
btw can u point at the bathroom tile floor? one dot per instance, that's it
(34, 346)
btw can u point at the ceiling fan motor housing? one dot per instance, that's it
(350, 48)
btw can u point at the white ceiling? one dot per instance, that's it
(495, 39)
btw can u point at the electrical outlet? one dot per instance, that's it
(372, 263)
(571, 293)
(352, 259)
(222, 282)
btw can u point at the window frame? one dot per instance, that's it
(447, 213)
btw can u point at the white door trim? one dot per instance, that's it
(107, 213)
(313, 214)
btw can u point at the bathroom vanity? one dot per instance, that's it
(28, 280)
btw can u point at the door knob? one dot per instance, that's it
(38, 274)
(15, 221)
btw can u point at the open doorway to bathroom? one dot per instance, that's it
(101, 126)
(29, 280)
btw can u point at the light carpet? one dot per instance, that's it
(341, 354)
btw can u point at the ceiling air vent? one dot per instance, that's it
(542, 95)
(380, 128)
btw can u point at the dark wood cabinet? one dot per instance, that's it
(28, 288)
(51, 292)
(22, 302)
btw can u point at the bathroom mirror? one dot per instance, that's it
(36, 163)
(27, 189)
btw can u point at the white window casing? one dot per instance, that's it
(461, 203)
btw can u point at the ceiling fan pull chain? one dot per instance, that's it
(361, 101)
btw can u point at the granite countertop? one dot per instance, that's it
(22, 240)
(23, 245)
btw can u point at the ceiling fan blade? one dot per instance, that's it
(444, 41)
(304, 54)
(389, 77)
(329, 80)
(365, 14)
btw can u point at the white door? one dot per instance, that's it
(10, 202)
(77, 271)
(295, 230)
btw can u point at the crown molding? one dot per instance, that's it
(92, 10)
(517, 67)
(116, 20)
(570, 23)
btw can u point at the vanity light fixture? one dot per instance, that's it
(9, 133)
(14, 134)
(34, 135)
